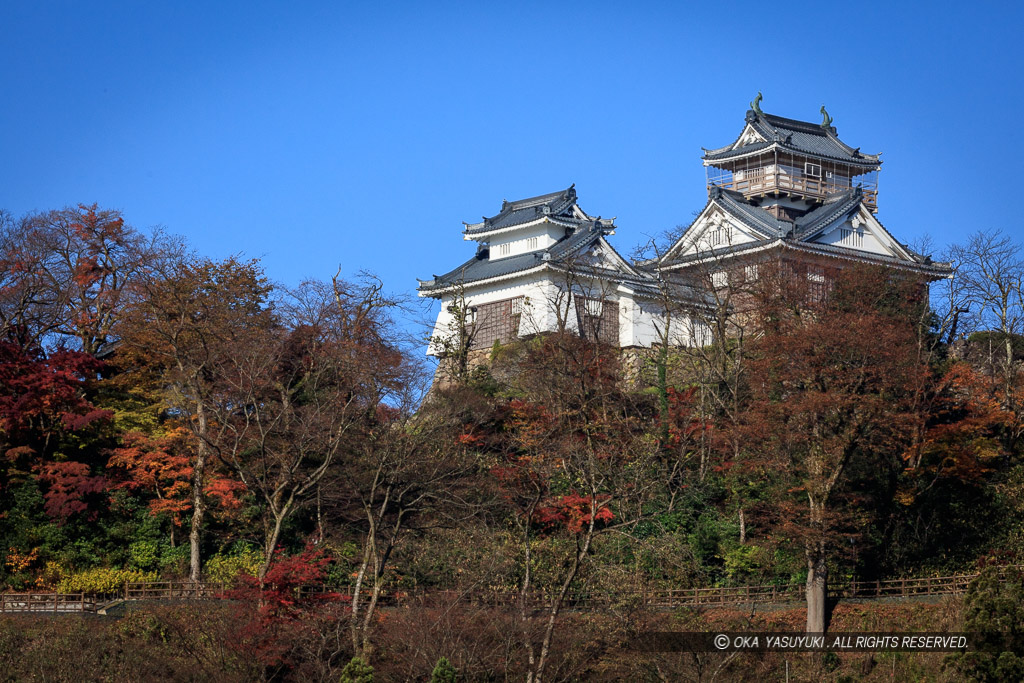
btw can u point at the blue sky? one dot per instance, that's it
(362, 134)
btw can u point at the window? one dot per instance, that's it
(750, 272)
(531, 243)
(818, 284)
(719, 279)
(598, 319)
(593, 307)
(505, 249)
(812, 170)
(517, 305)
(851, 237)
(718, 235)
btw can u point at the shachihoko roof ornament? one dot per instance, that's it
(756, 104)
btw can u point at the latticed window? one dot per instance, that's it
(750, 272)
(497, 322)
(719, 278)
(717, 235)
(818, 284)
(598, 319)
(851, 237)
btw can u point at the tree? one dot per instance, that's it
(988, 286)
(294, 395)
(444, 672)
(189, 320)
(357, 671)
(574, 462)
(994, 609)
(68, 274)
(830, 380)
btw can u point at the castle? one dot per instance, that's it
(785, 190)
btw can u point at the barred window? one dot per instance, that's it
(598, 319)
(497, 322)
(851, 237)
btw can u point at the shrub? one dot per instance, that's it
(357, 671)
(103, 580)
(144, 555)
(444, 672)
(226, 568)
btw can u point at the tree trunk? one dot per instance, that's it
(198, 503)
(817, 586)
(271, 546)
(743, 528)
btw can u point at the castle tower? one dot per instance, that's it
(790, 167)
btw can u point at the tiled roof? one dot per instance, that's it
(480, 267)
(795, 136)
(837, 205)
(556, 205)
(734, 204)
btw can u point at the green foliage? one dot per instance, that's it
(743, 563)
(996, 339)
(444, 672)
(245, 560)
(357, 671)
(994, 615)
(481, 381)
(103, 580)
(144, 555)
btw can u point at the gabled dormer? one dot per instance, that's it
(776, 158)
(531, 225)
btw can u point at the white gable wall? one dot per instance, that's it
(703, 239)
(864, 235)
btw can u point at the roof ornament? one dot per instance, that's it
(826, 120)
(756, 104)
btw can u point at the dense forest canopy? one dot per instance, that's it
(165, 415)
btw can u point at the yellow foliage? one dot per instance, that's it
(52, 575)
(103, 580)
(17, 562)
(226, 568)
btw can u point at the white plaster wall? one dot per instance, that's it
(535, 317)
(546, 300)
(870, 243)
(701, 242)
(518, 240)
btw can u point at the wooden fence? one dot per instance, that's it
(48, 603)
(60, 603)
(162, 590)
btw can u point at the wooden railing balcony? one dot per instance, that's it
(761, 181)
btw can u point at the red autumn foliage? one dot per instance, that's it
(69, 487)
(158, 465)
(41, 396)
(280, 611)
(573, 511)
(684, 427)
(162, 466)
